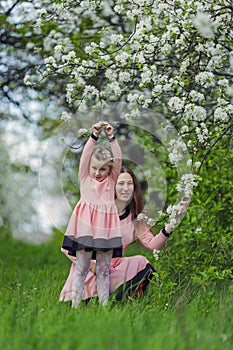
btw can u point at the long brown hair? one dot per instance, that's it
(136, 204)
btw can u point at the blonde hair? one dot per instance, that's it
(103, 154)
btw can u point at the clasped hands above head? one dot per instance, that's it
(97, 128)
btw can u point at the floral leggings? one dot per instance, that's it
(83, 260)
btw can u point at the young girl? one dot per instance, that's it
(94, 227)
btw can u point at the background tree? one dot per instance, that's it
(174, 57)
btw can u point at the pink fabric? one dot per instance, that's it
(121, 269)
(96, 214)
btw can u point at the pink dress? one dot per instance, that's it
(94, 224)
(125, 272)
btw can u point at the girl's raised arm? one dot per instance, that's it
(116, 151)
(87, 152)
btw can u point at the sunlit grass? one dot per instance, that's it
(32, 318)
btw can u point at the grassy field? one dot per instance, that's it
(32, 318)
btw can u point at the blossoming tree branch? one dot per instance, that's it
(174, 56)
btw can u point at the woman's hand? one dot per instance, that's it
(184, 203)
(108, 129)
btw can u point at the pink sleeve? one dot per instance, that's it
(116, 150)
(72, 258)
(85, 159)
(152, 242)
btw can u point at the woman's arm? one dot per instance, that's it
(152, 242)
(147, 239)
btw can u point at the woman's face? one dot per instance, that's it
(124, 187)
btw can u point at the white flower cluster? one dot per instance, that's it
(27, 80)
(193, 112)
(186, 184)
(177, 149)
(66, 116)
(139, 99)
(124, 77)
(50, 62)
(82, 132)
(202, 133)
(176, 104)
(156, 254)
(143, 217)
(116, 39)
(204, 24)
(223, 113)
(69, 57)
(205, 79)
(196, 96)
(69, 92)
(173, 211)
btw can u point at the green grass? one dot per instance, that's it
(32, 318)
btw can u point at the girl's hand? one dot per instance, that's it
(108, 129)
(96, 128)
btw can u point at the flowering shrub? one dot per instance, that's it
(173, 57)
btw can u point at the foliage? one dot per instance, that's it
(200, 249)
(32, 317)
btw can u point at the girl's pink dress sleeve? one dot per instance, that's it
(85, 159)
(116, 150)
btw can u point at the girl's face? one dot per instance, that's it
(124, 187)
(98, 170)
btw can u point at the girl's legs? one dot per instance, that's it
(83, 260)
(103, 260)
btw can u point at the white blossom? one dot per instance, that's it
(229, 91)
(204, 24)
(122, 57)
(156, 254)
(67, 58)
(41, 12)
(69, 92)
(124, 76)
(224, 83)
(177, 148)
(220, 114)
(115, 87)
(111, 74)
(176, 104)
(27, 80)
(186, 184)
(205, 79)
(202, 133)
(116, 39)
(65, 116)
(143, 217)
(50, 61)
(196, 96)
(197, 165)
(82, 132)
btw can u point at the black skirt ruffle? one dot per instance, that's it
(73, 244)
(137, 285)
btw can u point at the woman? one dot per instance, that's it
(128, 275)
